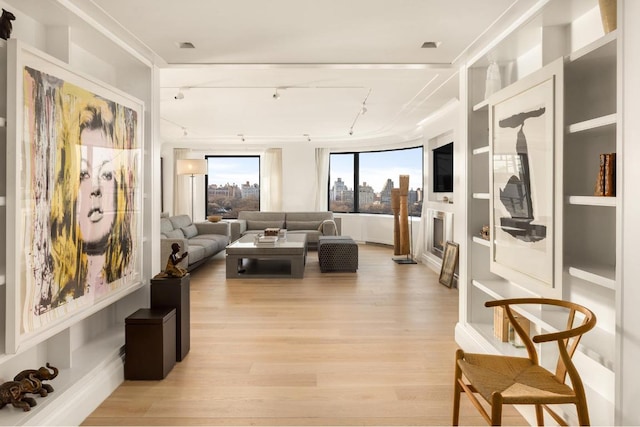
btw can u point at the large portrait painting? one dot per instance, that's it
(79, 153)
(524, 142)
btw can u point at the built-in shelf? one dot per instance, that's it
(481, 105)
(591, 48)
(501, 289)
(486, 331)
(592, 201)
(481, 150)
(483, 196)
(604, 276)
(481, 241)
(596, 123)
(597, 344)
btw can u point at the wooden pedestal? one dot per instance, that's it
(174, 293)
(150, 341)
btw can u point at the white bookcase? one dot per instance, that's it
(588, 224)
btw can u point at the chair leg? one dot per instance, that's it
(496, 409)
(583, 413)
(457, 389)
(539, 415)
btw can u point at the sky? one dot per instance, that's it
(375, 169)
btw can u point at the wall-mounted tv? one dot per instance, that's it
(443, 169)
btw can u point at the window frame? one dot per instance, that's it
(235, 156)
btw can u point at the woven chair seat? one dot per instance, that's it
(516, 378)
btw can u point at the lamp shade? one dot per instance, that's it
(191, 167)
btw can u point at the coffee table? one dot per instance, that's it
(285, 258)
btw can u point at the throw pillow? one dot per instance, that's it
(328, 228)
(190, 231)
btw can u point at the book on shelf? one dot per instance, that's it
(606, 182)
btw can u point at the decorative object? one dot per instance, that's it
(5, 24)
(14, 393)
(75, 227)
(449, 263)
(45, 373)
(395, 207)
(150, 343)
(526, 137)
(494, 81)
(608, 14)
(191, 167)
(272, 231)
(173, 269)
(174, 293)
(500, 324)
(485, 232)
(214, 218)
(403, 222)
(606, 183)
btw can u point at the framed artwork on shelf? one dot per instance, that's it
(526, 180)
(449, 263)
(76, 221)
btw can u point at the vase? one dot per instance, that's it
(608, 13)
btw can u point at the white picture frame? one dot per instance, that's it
(74, 224)
(526, 135)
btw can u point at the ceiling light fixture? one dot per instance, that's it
(179, 95)
(430, 45)
(307, 136)
(241, 137)
(276, 95)
(361, 112)
(184, 132)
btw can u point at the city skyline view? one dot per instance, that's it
(233, 170)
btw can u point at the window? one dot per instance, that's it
(377, 172)
(233, 185)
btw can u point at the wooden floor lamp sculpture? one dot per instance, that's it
(395, 207)
(405, 242)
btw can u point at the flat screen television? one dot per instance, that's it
(443, 169)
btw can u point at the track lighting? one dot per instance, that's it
(351, 131)
(179, 95)
(184, 132)
(241, 137)
(276, 95)
(364, 109)
(308, 137)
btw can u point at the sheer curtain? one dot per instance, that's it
(181, 185)
(420, 249)
(271, 196)
(322, 179)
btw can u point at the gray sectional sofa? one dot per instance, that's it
(313, 224)
(201, 240)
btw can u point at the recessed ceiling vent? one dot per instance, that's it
(186, 45)
(430, 45)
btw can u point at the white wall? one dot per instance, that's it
(298, 178)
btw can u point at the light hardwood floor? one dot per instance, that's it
(371, 348)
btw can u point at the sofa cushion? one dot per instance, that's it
(196, 253)
(190, 231)
(165, 225)
(261, 225)
(175, 234)
(180, 221)
(302, 225)
(309, 216)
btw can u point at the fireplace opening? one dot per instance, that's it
(438, 236)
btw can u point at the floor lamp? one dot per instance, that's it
(191, 167)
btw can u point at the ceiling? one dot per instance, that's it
(325, 58)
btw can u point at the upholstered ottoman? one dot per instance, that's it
(337, 253)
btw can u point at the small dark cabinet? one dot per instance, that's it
(150, 344)
(174, 293)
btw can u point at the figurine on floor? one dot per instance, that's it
(173, 269)
(5, 24)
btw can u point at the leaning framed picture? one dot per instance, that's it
(449, 263)
(74, 210)
(526, 180)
